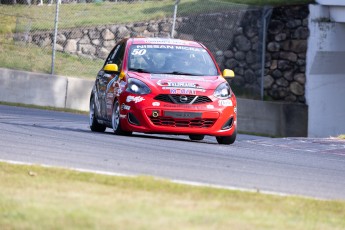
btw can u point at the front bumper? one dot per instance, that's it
(150, 116)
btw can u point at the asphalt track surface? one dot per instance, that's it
(297, 166)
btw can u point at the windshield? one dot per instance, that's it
(171, 59)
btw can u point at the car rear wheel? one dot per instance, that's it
(227, 140)
(115, 120)
(94, 125)
(196, 137)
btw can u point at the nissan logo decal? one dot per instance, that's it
(183, 98)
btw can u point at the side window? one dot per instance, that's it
(118, 58)
(112, 55)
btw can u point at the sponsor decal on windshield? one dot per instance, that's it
(138, 52)
(181, 77)
(157, 41)
(135, 99)
(171, 47)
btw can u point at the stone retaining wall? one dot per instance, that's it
(97, 42)
(286, 54)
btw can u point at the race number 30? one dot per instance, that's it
(138, 52)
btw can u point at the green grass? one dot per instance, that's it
(342, 136)
(44, 107)
(7, 23)
(35, 59)
(105, 13)
(33, 197)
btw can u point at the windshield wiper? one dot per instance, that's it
(139, 70)
(181, 73)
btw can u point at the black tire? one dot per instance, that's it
(115, 121)
(227, 140)
(94, 125)
(196, 137)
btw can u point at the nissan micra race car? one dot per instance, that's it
(163, 86)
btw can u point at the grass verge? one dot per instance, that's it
(44, 107)
(342, 136)
(33, 197)
(35, 59)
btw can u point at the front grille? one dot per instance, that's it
(188, 123)
(163, 97)
(175, 99)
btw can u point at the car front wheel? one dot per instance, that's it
(227, 140)
(94, 125)
(115, 120)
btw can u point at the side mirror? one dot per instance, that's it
(111, 68)
(228, 73)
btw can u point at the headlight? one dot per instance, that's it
(137, 87)
(223, 91)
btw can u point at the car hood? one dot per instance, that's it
(199, 83)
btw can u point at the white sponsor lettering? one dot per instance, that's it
(166, 41)
(135, 99)
(182, 77)
(179, 87)
(225, 103)
(165, 46)
(182, 84)
(210, 106)
(156, 103)
(189, 48)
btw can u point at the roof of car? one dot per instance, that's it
(165, 41)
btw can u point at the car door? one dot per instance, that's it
(113, 87)
(105, 79)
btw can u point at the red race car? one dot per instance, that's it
(158, 85)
